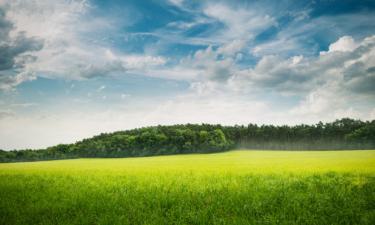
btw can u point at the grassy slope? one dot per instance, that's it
(239, 187)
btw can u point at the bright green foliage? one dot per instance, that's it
(205, 138)
(238, 187)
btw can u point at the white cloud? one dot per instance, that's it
(278, 46)
(232, 47)
(68, 51)
(297, 59)
(347, 69)
(16, 52)
(240, 23)
(340, 71)
(345, 81)
(343, 44)
(205, 64)
(211, 63)
(318, 102)
(338, 83)
(9, 82)
(142, 61)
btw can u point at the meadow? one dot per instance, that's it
(235, 187)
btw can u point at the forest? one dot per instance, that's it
(341, 134)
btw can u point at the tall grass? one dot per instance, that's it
(240, 187)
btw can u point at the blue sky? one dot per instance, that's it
(73, 69)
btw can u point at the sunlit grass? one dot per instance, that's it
(238, 187)
(238, 162)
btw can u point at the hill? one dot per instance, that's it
(192, 138)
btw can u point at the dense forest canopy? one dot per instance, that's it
(192, 138)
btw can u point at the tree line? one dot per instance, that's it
(205, 138)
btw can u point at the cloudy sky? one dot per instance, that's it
(70, 69)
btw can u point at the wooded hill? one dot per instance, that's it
(192, 138)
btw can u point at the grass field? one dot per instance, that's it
(238, 187)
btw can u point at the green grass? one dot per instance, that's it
(238, 187)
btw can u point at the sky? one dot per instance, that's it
(71, 69)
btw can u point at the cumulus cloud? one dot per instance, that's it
(13, 51)
(10, 80)
(344, 83)
(16, 50)
(232, 48)
(346, 68)
(277, 73)
(336, 83)
(140, 62)
(347, 63)
(209, 64)
(343, 44)
(68, 54)
(57, 33)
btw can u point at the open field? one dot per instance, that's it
(238, 187)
